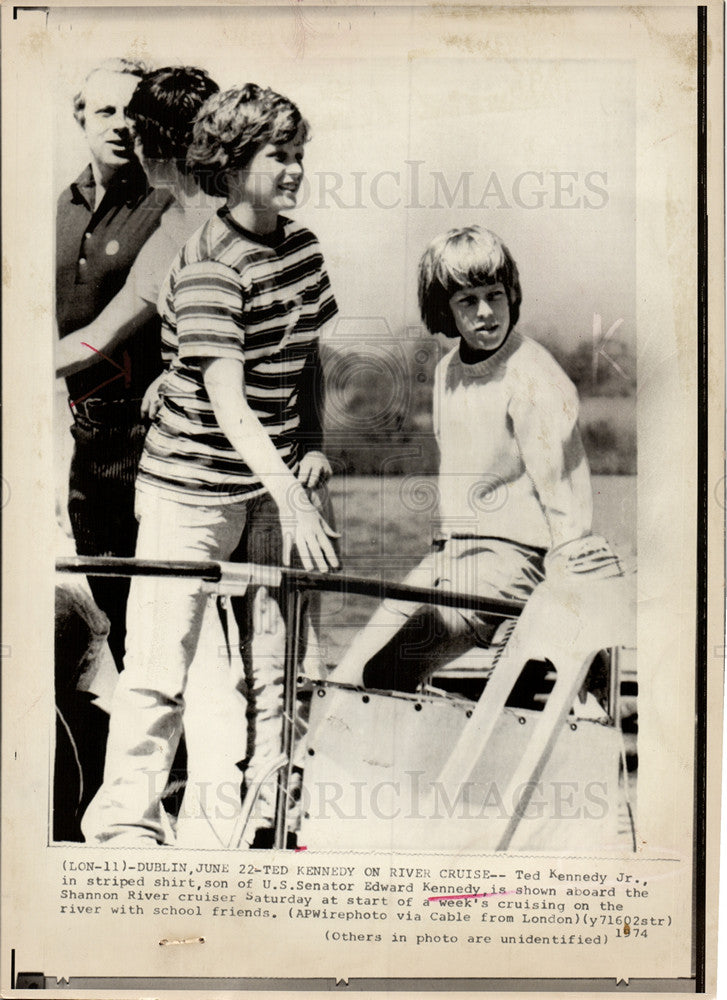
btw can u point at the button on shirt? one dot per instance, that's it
(94, 252)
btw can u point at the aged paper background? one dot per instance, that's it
(360, 73)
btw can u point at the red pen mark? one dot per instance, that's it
(472, 895)
(300, 849)
(124, 372)
(96, 351)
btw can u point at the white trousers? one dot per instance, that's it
(404, 643)
(164, 618)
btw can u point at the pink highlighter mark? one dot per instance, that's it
(298, 849)
(472, 895)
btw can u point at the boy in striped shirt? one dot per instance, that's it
(242, 308)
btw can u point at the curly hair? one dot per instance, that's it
(233, 125)
(463, 258)
(131, 66)
(164, 107)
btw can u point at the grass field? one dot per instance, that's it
(387, 523)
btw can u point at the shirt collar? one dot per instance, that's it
(126, 185)
(482, 369)
(273, 239)
(83, 187)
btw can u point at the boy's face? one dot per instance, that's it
(482, 315)
(273, 177)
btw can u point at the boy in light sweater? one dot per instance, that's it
(514, 483)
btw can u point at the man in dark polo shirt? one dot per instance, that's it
(103, 220)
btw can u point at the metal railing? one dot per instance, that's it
(292, 584)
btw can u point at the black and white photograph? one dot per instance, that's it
(373, 444)
(457, 413)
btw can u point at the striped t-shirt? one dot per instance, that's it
(232, 294)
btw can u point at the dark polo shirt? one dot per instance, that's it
(94, 252)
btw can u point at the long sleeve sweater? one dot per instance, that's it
(512, 463)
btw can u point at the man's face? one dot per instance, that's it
(107, 132)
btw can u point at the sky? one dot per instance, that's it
(416, 128)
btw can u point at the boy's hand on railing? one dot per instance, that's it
(314, 470)
(303, 526)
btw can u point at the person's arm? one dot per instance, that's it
(315, 469)
(546, 429)
(436, 404)
(132, 307)
(301, 523)
(122, 317)
(62, 465)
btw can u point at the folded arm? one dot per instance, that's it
(122, 317)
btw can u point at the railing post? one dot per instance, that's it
(291, 611)
(614, 685)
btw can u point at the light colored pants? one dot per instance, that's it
(164, 619)
(404, 643)
(262, 632)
